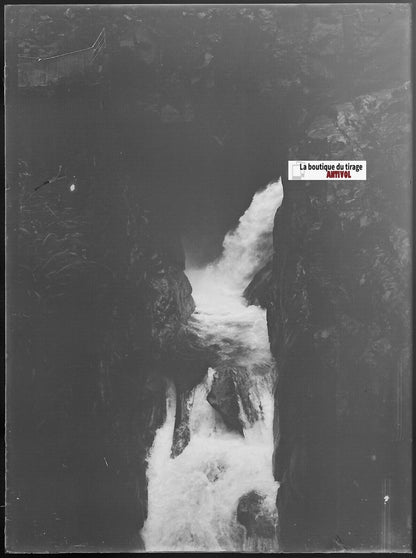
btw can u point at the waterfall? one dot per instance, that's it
(219, 494)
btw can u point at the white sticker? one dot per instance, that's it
(327, 170)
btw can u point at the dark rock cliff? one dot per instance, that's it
(259, 289)
(339, 325)
(100, 307)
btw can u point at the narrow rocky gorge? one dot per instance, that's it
(215, 462)
(120, 339)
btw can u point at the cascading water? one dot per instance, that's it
(194, 498)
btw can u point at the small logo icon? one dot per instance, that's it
(297, 173)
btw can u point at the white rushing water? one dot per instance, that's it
(193, 498)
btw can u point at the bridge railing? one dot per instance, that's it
(34, 72)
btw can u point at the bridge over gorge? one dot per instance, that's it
(42, 72)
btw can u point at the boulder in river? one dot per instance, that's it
(224, 399)
(255, 516)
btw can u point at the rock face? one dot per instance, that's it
(235, 396)
(256, 518)
(339, 327)
(181, 433)
(101, 305)
(258, 291)
(224, 399)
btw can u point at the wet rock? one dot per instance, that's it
(258, 291)
(181, 433)
(215, 470)
(258, 520)
(181, 438)
(169, 304)
(248, 393)
(184, 359)
(224, 399)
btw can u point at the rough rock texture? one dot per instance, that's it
(256, 518)
(224, 399)
(100, 309)
(258, 291)
(339, 326)
(181, 433)
(235, 395)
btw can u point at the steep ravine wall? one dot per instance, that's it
(100, 305)
(339, 326)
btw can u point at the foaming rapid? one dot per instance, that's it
(193, 498)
